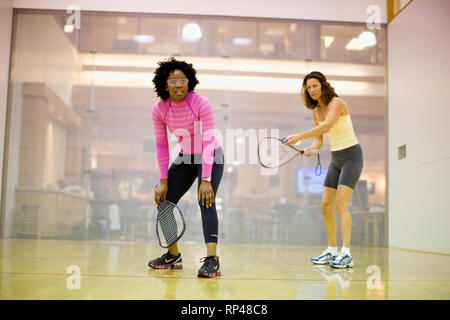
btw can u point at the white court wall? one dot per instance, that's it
(418, 116)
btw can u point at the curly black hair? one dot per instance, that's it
(165, 68)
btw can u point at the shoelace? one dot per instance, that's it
(325, 252)
(340, 256)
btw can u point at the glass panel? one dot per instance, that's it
(81, 154)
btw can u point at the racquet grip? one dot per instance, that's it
(313, 151)
(162, 197)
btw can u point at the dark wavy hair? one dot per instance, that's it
(327, 90)
(165, 68)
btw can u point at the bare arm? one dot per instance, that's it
(335, 109)
(318, 140)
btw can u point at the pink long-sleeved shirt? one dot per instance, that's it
(192, 122)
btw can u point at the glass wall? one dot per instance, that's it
(80, 158)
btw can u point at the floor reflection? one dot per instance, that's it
(338, 281)
(38, 269)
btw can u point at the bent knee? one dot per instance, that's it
(326, 206)
(341, 204)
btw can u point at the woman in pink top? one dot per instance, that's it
(190, 118)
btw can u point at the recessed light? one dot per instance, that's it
(368, 38)
(191, 32)
(241, 41)
(144, 38)
(327, 41)
(68, 28)
(355, 45)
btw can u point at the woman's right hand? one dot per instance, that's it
(161, 191)
(308, 152)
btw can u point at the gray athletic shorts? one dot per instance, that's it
(345, 167)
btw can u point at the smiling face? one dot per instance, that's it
(177, 85)
(314, 88)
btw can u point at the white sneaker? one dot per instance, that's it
(342, 261)
(325, 258)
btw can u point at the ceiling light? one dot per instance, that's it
(238, 65)
(220, 81)
(68, 28)
(241, 41)
(365, 39)
(266, 48)
(144, 38)
(122, 20)
(275, 32)
(355, 45)
(327, 41)
(191, 32)
(368, 38)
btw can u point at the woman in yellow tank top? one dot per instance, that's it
(331, 117)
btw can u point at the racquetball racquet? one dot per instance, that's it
(170, 224)
(272, 153)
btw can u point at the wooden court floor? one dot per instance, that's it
(79, 270)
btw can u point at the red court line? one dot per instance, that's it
(219, 278)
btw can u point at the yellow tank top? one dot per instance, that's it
(341, 135)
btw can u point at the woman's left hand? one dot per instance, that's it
(292, 139)
(206, 194)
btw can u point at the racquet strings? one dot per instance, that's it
(273, 154)
(170, 224)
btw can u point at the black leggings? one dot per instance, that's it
(182, 174)
(345, 167)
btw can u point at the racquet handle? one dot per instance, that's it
(313, 151)
(162, 197)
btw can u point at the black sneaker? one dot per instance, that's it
(210, 267)
(167, 261)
